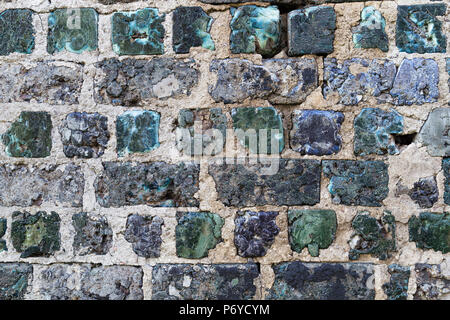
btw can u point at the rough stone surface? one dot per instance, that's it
(35, 235)
(322, 281)
(370, 33)
(3, 228)
(196, 233)
(255, 232)
(74, 30)
(433, 282)
(259, 129)
(137, 131)
(297, 182)
(25, 186)
(90, 282)
(312, 229)
(430, 231)
(372, 236)
(155, 184)
(255, 30)
(29, 136)
(210, 139)
(144, 232)
(204, 282)
(375, 130)
(191, 27)
(138, 33)
(93, 235)
(397, 287)
(316, 132)
(419, 30)
(43, 82)
(16, 31)
(357, 183)
(446, 171)
(131, 82)
(14, 280)
(84, 135)
(311, 31)
(435, 133)
(425, 192)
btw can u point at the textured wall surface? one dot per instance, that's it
(128, 168)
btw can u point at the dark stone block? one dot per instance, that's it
(432, 282)
(425, 192)
(430, 231)
(3, 227)
(397, 287)
(16, 31)
(14, 279)
(93, 235)
(446, 170)
(144, 233)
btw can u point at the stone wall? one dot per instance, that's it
(128, 169)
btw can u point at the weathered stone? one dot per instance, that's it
(316, 132)
(204, 281)
(446, 171)
(259, 129)
(255, 29)
(90, 282)
(375, 130)
(191, 27)
(374, 77)
(138, 33)
(397, 287)
(93, 235)
(416, 82)
(447, 66)
(84, 135)
(137, 131)
(16, 31)
(74, 30)
(370, 33)
(435, 133)
(45, 82)
(311, 31)
(14, 279)
(419, 30)
(312, 229)
(196, 233)
(3, 227)
(255, 232)
(35, 235)
(210, 139)
(30, 136)
(357, 183)
(287, 182)
(425, 192)
(432, 282)
(144, 232)
(157, 184)
(372, 236)
(25, 186)
(131, 82)
(430, 231)
(322, 281)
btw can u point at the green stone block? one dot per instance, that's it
(30, 136)
(16, 31)
(197, 233)
(397, 287)
(314, 229)
(35, 235)
(372, 236)
(370, 33)
(138, 33)
(137, 131)
(74, 30)
(431, 231)
(2, 233)
(14, 278)
(257, 129)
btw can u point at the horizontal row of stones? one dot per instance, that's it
(293, 280)
(136, 82)
(197, 233)
(254, 29)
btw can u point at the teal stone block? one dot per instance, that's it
(74, 30)
(370, 33)
(431, 230)
(419, 30)
(138, 33)
(255, 30)
(16, 31)
(257, 129)
(137, 131)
